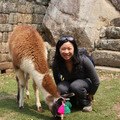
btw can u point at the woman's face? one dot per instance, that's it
(67, 51)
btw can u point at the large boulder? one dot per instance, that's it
(80, 18)
(116, 3)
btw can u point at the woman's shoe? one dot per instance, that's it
(87, 108)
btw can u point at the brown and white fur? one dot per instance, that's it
(27, 51)
(27, 76)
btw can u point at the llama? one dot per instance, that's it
(27, 51)
(27, 76)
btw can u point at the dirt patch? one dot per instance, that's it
(8, 96)
(116, 108)
(6, 116)
(109, 87)
(108, 75)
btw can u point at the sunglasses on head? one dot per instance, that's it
(69, 38)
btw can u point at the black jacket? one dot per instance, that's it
(84, 70)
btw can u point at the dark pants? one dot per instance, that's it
(80, 88)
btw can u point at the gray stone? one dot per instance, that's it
(3, 48)
(51, 54)
(3, 57)
(12, 1)
(3, 18)
(108, 44)
(6, 27)
(43, 2)
(9, 70)
(26, 9)
(115, 22)
(5, 37)
(13, 19)
(39, 9)
(104, 68)
(1, 4)
(24, 18)
(22, 1)
(37, 18)
(5, 7)
(103, 32)
(12, 7)
(6, 65)
(113, 32)
(106, 58)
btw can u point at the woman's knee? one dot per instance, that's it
(77, 89)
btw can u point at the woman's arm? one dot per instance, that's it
(92, 74)
(55, 73)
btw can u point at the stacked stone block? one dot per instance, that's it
(13, 13)
(107, 49)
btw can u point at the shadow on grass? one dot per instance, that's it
(10, 104)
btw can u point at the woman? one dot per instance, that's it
(74, 73)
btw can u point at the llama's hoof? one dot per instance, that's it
(40, 109)
(27, 96)
(22, 107)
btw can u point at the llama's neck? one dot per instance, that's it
(43, 81)
(38, 78)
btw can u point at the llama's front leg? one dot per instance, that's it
(38, 104)
(20, 75)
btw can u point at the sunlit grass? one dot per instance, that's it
(106, 105)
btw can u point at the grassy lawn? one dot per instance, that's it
(105, 107)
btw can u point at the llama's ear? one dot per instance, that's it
(68, 95)
(60, 99)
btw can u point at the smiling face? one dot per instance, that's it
(67, 51)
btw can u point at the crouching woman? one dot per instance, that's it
(74, 73)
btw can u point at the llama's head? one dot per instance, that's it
(59, 102)
(56, 105)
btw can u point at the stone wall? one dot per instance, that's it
(61, 18)
(15, 12)
(107, 49)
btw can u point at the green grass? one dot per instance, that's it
(105, 107)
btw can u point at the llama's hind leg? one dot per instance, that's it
(18, 90)
(38, 104)
(27, 85)
(21, 78)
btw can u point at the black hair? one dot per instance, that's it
(58, 60)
